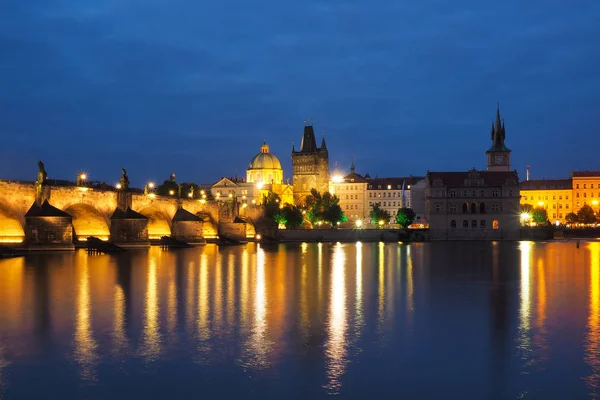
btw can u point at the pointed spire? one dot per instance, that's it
(352, 166)
(498, 118)
(293, 146)
(323, 145)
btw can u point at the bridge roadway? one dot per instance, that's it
(91, 210)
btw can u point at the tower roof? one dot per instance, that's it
(498, 134)
(264, 159)
(309, 143)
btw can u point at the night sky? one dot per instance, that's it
(194, 87)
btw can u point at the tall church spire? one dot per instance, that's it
(498, 154)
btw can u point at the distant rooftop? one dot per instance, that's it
(546, 184)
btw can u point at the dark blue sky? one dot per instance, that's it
(194, 86)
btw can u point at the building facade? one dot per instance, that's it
(310, 166)
(586, 189)
(265, 172)
(476, 205)
(351, 191)
(554, 195)
(390, 193)
(473, 205)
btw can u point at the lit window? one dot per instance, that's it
(495, 224)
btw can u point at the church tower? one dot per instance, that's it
(310, 166)
(498, 156)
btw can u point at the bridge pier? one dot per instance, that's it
(127, 227)
(48, 228)
(187, 227)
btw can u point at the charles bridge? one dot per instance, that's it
(44, 216)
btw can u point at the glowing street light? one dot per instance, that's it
(171, 192)
(381, 222)
(151, 185)
(358, 223)
(541, 203)
(81, 179)
(260, 185)
(337, 179)
(118, 186)
(594, 202)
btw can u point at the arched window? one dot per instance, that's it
(473, 208)
(495, 224)
(474, 224)
(453, 224)
(465, 208)
(465, 223)
(482, 208)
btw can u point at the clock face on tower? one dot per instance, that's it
(499, 160)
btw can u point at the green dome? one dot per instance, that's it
(264, 159)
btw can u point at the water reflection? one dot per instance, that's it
(85, 344)
(258, 341)
(593, 337)
(323, 316)
(335, 348)
(151, 337)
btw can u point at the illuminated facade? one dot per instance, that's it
(586, 189)
(264, 167)
(554, 195)
(390, 193)
(351, 190)
(310, 166)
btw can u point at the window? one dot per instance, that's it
(453, 194)
(346, 197)
(560, 206)
(495, 207)
(559, 215)
(577, 186)
(553, 197)
(465, 223)
(546, 198)
(482, 223)
(465, 193)
(473, 193)
(384, 203)
(567, 206)
(474, 224)
(438, 208)
(560, 197)
(567, 197)
(482, 208)
(585, 195)
(577, 195)
(495, 224)
(482, 193)
(591, 186)
(473, 208)
(554, 215)
(554, 206)
(510, 193)
(585, 186)
(452, 208)
(494, 193)
(465, 208)
(453, 224)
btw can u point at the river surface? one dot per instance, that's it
(301, 321)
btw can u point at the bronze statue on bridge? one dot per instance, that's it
(124, 179)
(42, 174)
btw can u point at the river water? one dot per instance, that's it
(297, 321)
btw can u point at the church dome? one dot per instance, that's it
(264, 159)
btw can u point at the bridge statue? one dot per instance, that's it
(124, 179)
(42, 174)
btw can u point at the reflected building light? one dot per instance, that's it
(410, 306)
(258, 341)
(336, 346)
(172, 302)
(381, 284)
(524, 340)
(151, 337)
(218, 293)
(230, 289)
(359, 287)
(190, 298)
(592, 348)
(85, 344)
(541, 294)
(244, 289)
(203, 300)
(320, 269)
(119, 334)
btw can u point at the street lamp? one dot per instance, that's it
(81, 177)
(358, 223)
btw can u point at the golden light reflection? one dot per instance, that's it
(244, 287)
(335, 347)
(230, 289)
(320, 268)
(190, 306)
(524, 339)
(151, 337)
(258, 340)
(11, 291)
(410, 305)
(118, 332)
(218, 293)
(359, 287)
(203, 300)
(592, 356)
(381, 286)
(85, 344)
(541, 294)
(172, 301)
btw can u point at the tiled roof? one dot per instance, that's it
(585, 174)
(184, 215)
(129, 214)
(546, 184)
(490, 178)
(393, 182)
(46, 210)
(353, 175)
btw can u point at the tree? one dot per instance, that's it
(291, 216)
(272, 202)
(172, 188)
(571, 218)
(379, 215)
(324, 207)
(586, 215)
(539, 215)
(405, 217)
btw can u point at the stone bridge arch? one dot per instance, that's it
(11, 224)
(88, 221)
(159, 222)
